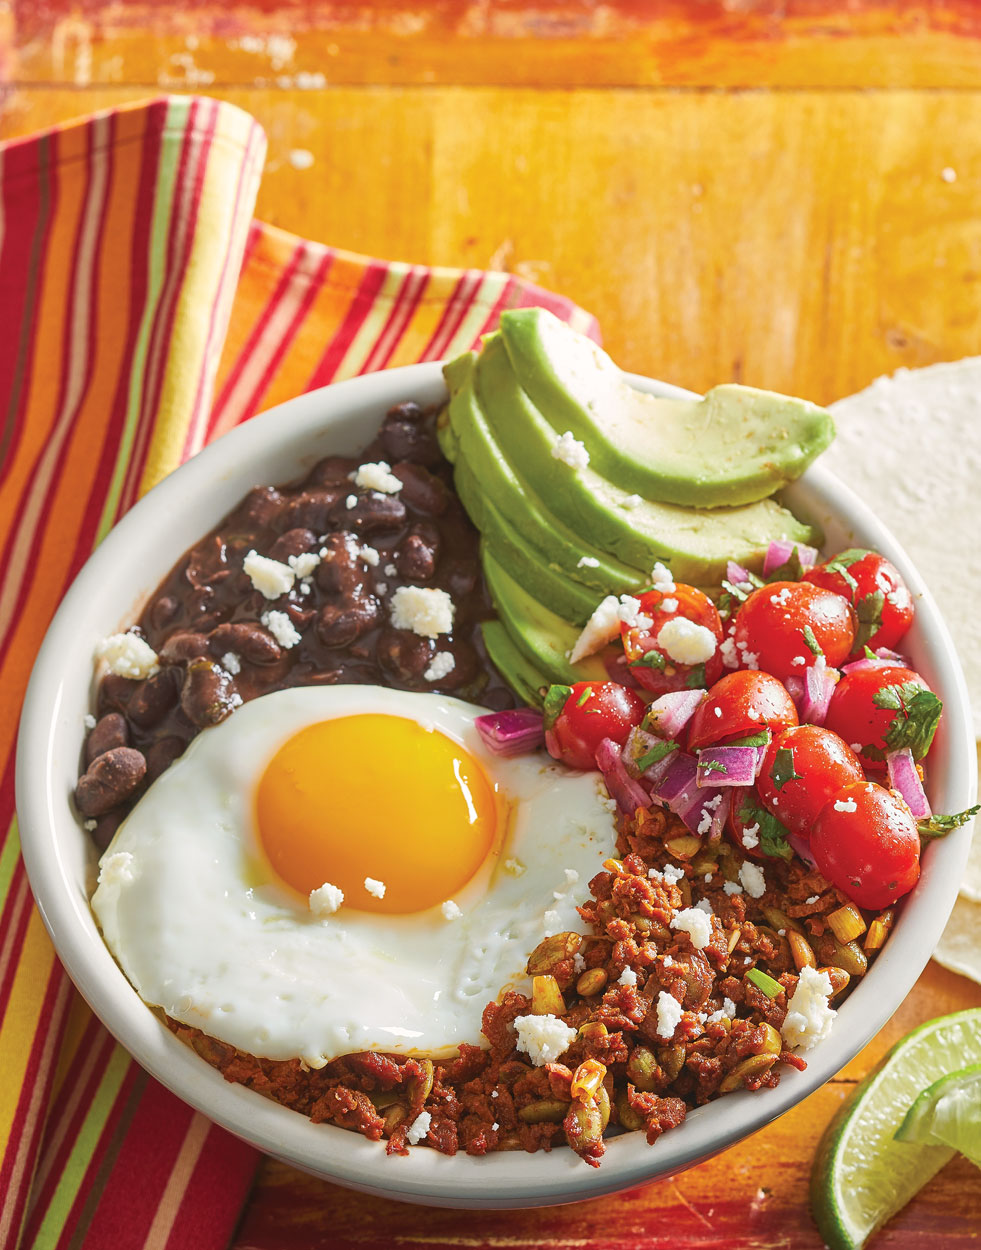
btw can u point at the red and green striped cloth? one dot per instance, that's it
(143, 313)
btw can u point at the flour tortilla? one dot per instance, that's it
(910, 446)
(960, 948)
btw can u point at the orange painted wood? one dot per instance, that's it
(795, 238)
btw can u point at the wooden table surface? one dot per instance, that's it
(778, 192)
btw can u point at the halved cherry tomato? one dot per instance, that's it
(786, 624)
(740, 704)
(854, 715)
(650, 661)
(579, 717)
(803, 767)
(875, 589)
(865, 841)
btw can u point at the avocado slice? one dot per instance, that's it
(735, 446)
(696, 543)
(473, 444)
(544, 638)
(516, 669)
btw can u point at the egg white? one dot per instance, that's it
(203, 930)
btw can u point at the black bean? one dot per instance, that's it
(248, 639)
(420, 490)
(154, 697)
(338, 624)
(106, 826)
(110, 731)
(341, 571)
(416, 557)
(108, 780)
(114, 693)
(372, 513)
(403, 655)
(206, 562)
(406, 435)
(162, 754)
(333, 471)
(184, 645)
(292, 543)
(259, 508)
(208, 694)
(310, 509)
(164, 611)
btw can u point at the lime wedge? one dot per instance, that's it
(948, 1113)
(861, 1175)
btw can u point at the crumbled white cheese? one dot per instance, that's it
(231, 663)
(729, 1007)
(754, 883)
(351, 502)
(552, 921)
(685, 642)
(571, 876)
(661, 579)
(381, 588)
(514, 867)
(813, 899)
(809, 1015)
(846, 805)
(718, 712)
(630, 614)
(281, 628)
(602, 627)
(672, 874)
(694, 922)
(727, 649)
(781, 598)
(390, 570)
(704, 905)
(128, 655)
(587, 562)
(669, 605)
(543, 1038)
(731, 887)
(751, 836)
(88, 720)
(374, 887)
(269, 577)
(326, 900)
(495, 1126)
(450, 910)
(798, 661)
(304, 564)
(669, 1014)
(627, 977)
(570, 451)
(117, 869)
(90, 825)
(419, 1128)
(427, 611)
(441, 665)
(578, 963)
(369, 555)
(378, 477)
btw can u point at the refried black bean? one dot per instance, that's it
(205, 619)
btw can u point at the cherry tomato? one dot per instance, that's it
(865, 841)
(854, 716)
(776, 622)
(651, 662)
(579, 717)
(739, 704)
(875, 589)
(743, 808)
(795, 787)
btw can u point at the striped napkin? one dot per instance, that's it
(143, 313)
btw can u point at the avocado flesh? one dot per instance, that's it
(516, 669)
(540, 635)
(529, 567)
(695, 543)
(470, 441)
(735, 446)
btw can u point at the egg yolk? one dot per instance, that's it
(380, 797)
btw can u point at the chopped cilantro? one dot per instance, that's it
(724, 605)
(869, 654)
(869, 613)
(836, 567)
(940, 826)
(772, 834)
(762, 981)
(584, 696)
(650, 659)
(735, 592)
(783, 768)
(712, 766)
(555, 701)
(843, 562)
(812, 643)
(696, 677)
(790, 571)
(655, 754)
(917, 716)
(761, 739)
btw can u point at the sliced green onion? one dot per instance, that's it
(765, 983)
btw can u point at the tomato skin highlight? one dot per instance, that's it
(693, 605)
(872, 573)
(748, 702)
(852, 714)
(771, 625)
(594, 710)
(826, 764)
(871, 853)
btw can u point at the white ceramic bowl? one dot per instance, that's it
(283, 444)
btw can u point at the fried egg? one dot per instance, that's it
(453, 865)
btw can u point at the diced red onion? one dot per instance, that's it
(669, 714)
(740, 765)
(802, 848)
(795, 688)
(860, 666)
(819, 686)
(893, 657)
(735, 573)
(618, 670)
(639, 741)
(678, 789)
(779, 553)
(517, 731)
(629, 794)
(904, 778)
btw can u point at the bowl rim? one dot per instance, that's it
(500, 1180)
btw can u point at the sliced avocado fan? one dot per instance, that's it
(737, 445)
